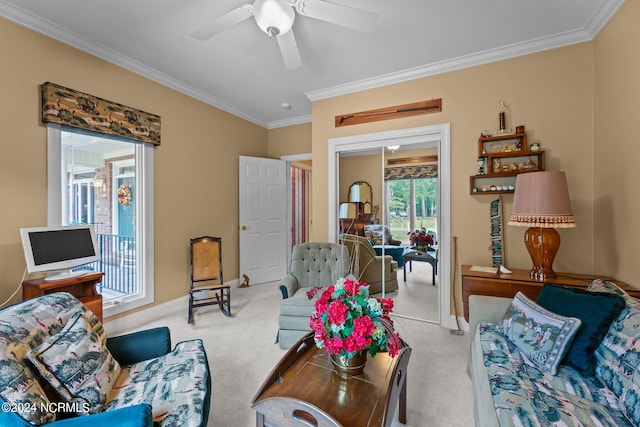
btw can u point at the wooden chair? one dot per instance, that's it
(206, 276)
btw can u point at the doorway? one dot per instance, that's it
(299, 222)
(435, 136)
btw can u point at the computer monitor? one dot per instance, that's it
(58, 250)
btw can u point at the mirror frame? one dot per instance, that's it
(348, 210)
(360, 185)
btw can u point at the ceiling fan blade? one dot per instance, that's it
(223, 22)
(289, 50)
(337, 14)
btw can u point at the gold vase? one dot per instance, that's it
(348, 367)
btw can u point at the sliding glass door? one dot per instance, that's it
(402, 187)
(418, 297)
(410, 175)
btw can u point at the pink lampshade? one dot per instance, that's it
(541, 199)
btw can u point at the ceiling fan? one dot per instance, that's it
(275, 18)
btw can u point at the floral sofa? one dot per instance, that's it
(58, 368)
(571, 358)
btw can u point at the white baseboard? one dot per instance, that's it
(462, 324)
(128, 323)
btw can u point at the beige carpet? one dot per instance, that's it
(242, 352)
(417, 297)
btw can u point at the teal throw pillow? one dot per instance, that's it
(77, 363)
(541, 335)
(596, 310)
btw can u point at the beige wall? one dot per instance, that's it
(368, 168)
(617, 150)
(289, 140)
(365, 168)
(548, 92)
(552, 93)
(195, 167)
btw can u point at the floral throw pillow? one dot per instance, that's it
(78, 365)
(542, 336)
(599, 285)
(618, 356)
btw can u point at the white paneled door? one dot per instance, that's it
(262, 218)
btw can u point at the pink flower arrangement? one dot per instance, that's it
(347, 321)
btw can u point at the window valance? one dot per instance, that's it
(406, 172)
(76, 109)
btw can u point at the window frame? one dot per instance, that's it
(145, 212)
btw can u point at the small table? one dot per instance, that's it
(82, 287)
(413, 255)
(303, 389)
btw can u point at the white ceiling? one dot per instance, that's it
(241, 71)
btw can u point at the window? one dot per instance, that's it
(411, 204)
(107, 182)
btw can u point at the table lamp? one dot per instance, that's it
(541, 202)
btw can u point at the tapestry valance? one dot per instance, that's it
(72, 108)
(406, 172)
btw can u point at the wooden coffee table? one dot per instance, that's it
(303, 389)
(428, 256)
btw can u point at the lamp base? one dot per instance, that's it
(542, 244)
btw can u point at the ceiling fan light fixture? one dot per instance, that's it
(274, 17)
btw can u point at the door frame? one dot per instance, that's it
(440, 134)
(290, 159)
(115, 165)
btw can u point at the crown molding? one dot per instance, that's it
(597, 21)
(602, 16)
(461, 62)
(595, 24)
(37, 24)
(63, 35)
(289, 122)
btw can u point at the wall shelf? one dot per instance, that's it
(500, 159)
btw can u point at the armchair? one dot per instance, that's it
(367, 266)
(312, 264)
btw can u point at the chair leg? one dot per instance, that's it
(221, 297)
(226, 302)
